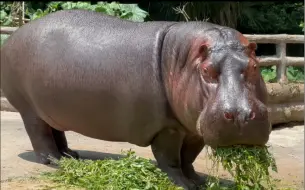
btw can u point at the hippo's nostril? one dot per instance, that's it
(252, 115)
(228, 116)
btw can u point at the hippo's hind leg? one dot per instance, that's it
(191, 147)
(41, 137)
(166, 148)
(62, 144)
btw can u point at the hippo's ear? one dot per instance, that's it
(203, 51)
(252, 46)
(251, 49)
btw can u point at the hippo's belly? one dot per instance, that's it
(106, 118)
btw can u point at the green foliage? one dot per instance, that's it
(271, 18)
(226, 13)
(131, 172)
(302, 25)
(6, 18)
(268, 73)
(247, 17)
(125, 11)
(295, 74)
(249, 166)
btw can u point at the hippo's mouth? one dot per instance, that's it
(217, 132)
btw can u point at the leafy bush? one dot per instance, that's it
(5, 14)
(272, 18)
(268, 73)
(125, 11)
(302, 25)
(294, 74)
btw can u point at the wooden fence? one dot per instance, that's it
(286, 100)
(280, 59)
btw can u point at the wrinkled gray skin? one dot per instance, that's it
(141, 83)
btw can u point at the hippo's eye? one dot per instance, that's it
(209, 74)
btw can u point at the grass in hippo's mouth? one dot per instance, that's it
(248, 166)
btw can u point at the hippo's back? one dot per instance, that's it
(89, 73)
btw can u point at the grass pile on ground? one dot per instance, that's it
(249, 167)
(131, 172)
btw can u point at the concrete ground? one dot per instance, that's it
(18, 160)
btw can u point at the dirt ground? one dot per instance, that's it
(18, 159)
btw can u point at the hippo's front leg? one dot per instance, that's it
(166, 148)
(192, 146)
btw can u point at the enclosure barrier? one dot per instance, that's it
(285, 100)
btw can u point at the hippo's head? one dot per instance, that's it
(214, 86)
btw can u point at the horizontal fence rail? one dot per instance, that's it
(275, 38)
(7, 30)
(285, 101)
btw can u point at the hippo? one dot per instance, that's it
(174, 86)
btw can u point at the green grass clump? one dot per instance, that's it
(249, 166)
(131, 172)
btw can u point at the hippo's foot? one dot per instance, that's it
(166, 148)
(62, 145)
(191, 174)
(69, 153)
(47, 158)
(176, 175)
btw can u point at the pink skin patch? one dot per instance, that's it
(197, 54)
(243, 40)
(181, 92)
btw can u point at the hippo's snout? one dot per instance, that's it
(246, 124)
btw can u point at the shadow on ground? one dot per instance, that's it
(280, 126)
(83, 154)
(93, 155)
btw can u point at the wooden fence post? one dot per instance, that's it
(21, 14)
(281, 68)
